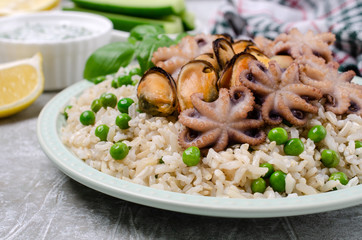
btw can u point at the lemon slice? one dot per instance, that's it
(21, 83)
(8, 7)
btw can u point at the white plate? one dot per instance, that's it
(50, 121)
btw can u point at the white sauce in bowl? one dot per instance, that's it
(40, 31)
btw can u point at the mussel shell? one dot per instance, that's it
(230, 75)
(259, 55)
(156, 93)
(197, 76)
(209, 57)
(226, 36)
(240, 45)
(223, 51)
(284, 61)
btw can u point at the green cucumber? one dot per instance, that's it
(188, 20)
(140, 8)
(171, 24)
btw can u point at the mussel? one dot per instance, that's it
(209, 57)
(223, 51)
(226, 36)
(284, 61)
(259, 55)
(230, 75)
(241, 45)
(197, 76)
(156, 93)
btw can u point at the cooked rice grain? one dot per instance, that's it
(225, 174)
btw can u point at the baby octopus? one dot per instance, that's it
(171, 59)
(296, 44)
(341, 95)
(215, 124)
(282, 94)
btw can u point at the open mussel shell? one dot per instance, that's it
(197, 76)
(240, 45)
(259, 55)
(230, 75)
(156, 93)
(209, 57)
(226, 36)
(223, 51)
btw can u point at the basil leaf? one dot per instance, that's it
(108, 59)
(141, 31)
(147, 47)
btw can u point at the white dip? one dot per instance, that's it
(46, 32)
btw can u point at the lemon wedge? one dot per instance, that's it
(8, 7)
(21, 83)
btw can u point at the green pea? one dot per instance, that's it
(277, 181)
(122, 120)
(102, 132)
(339, 176)
(124, 80)
(119, 151)
(123, 104)
(108, 100)
(258, 185)
(279, 135)
(99, 79)
(357, 144)
(270, 169)
(293, 147)
(191, 156)
(330, 158)
(317, 133)
(114, 83)
(65, 112)
(135, 71)
(87, 118)
(96, 105)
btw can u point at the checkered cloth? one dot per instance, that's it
(272, 17)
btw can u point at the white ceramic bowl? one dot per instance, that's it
(63, 59)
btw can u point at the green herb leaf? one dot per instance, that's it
(108, 59)
(142, 31)
(147, 47)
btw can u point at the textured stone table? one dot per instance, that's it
(37, 201)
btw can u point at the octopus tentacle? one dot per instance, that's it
(292, 113)
(198, 124)
(242, 103)
(209, 108)
(275, 72)
(201, 140)
(270, 115)
(304, 90)
(247, 123)
(221, 142)
(337, 103)
(291, 75)
(257, 137)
